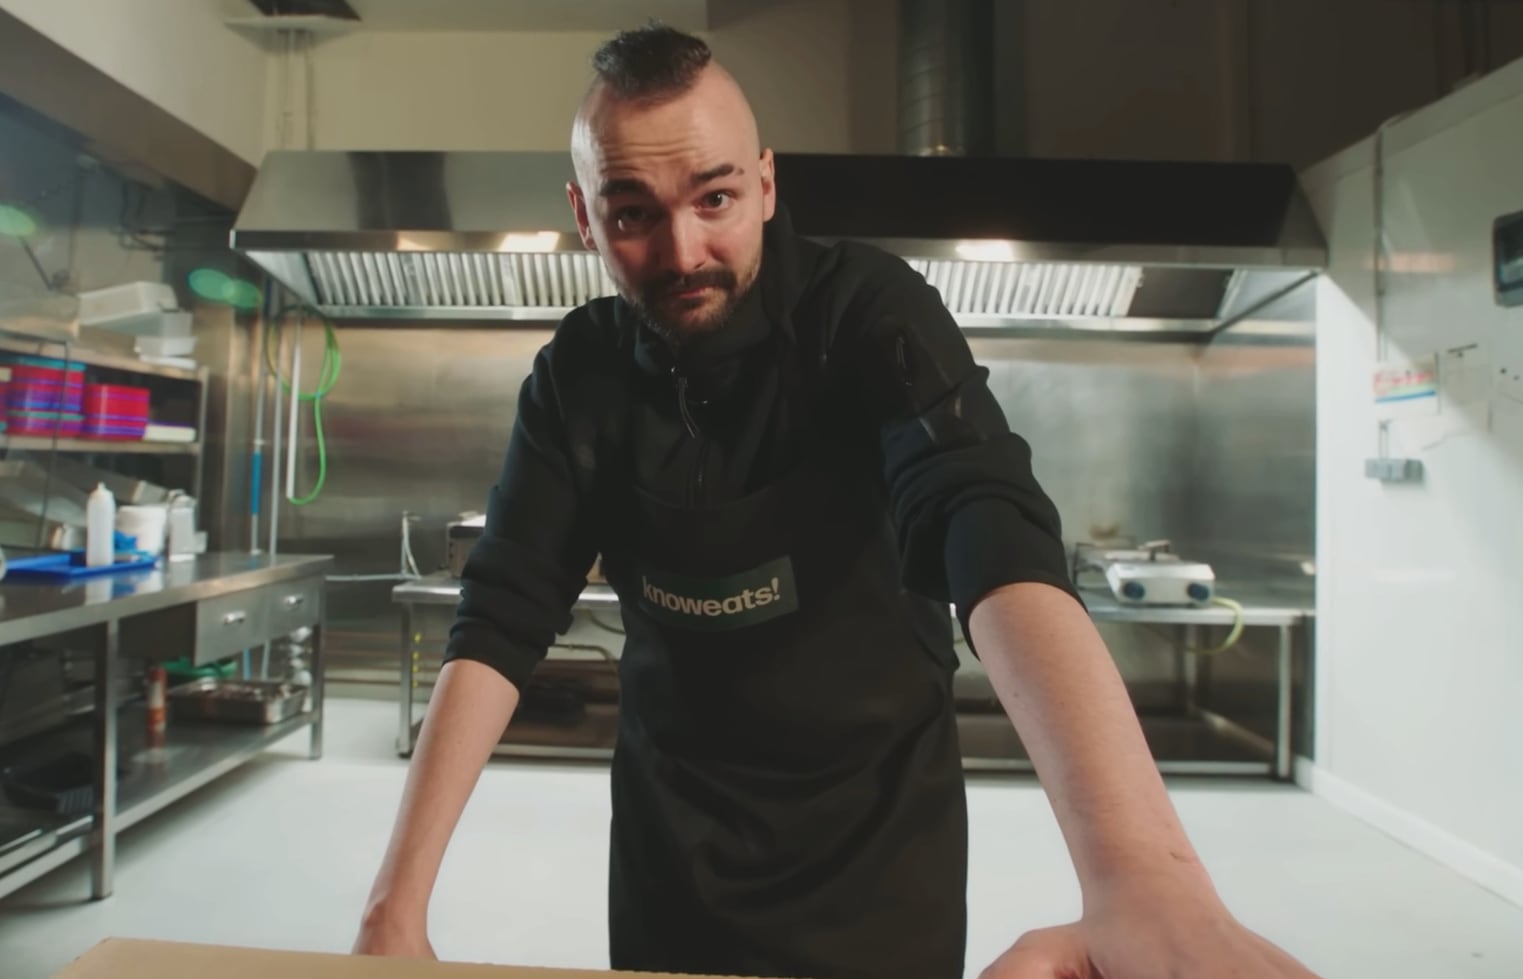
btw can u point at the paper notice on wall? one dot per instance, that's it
(1406, 389)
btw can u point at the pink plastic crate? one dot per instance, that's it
(44, 424)
(116, 392)
(47, 375)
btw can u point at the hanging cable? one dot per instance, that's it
(599, 623)
(327, 378)
(409, 563)
(42, 273)
(1232, 637)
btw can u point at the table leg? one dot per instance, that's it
(319, 668)
(407, 674)
(1282, 766)
(1189, 681)
(1181, 694)
(103, 831)
(1204, 671)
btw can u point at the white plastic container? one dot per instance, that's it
(149, 523)
(100, 528)
(135, 304)
(182, 531)
(148, 346)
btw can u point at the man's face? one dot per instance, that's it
(673, 195)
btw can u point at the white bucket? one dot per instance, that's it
(149, 524)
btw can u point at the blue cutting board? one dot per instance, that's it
(70, 566)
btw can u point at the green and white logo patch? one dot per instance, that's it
(716, 604)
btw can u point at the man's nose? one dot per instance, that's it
(684, 245)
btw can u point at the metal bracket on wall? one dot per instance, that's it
(1394, 470)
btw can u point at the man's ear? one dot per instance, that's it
(769, 184)
(579, 209)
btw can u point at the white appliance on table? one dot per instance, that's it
(1151, 574)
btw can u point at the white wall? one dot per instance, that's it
(518, 91)
(1420, 632)
(175, 53)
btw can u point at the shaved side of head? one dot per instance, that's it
(648, 66)
(711, 81)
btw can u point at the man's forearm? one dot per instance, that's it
(467, 713)
(1057, 681)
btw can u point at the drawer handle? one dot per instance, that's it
(295, 601)
(235, 618)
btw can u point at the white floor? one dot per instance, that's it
(280, 853)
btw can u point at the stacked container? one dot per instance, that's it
(44, 397)
(115, 411)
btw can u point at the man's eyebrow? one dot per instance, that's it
(616, 186)
(623, 185)
(714, 173)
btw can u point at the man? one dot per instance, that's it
(790, 464)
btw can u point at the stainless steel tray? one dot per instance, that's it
(239, 701)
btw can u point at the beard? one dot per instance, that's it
(676, 320)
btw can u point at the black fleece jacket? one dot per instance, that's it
(968, 511)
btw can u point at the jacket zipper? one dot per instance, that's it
(695, 485)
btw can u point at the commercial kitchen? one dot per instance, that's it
(1247, 277)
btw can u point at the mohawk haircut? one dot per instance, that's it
(650, 62)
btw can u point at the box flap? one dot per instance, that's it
(124, 958)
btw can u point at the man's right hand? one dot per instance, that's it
(403, 941)
(470, 706)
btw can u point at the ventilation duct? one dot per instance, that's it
(946, 77)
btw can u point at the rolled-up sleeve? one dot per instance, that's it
(531, 562)
(968, 509)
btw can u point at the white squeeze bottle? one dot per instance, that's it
(100, 528)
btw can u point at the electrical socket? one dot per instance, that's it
(1394, 470)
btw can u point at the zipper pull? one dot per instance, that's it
(682, 408)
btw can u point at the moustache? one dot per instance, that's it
(672, 285)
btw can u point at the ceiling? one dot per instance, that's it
(513, 15)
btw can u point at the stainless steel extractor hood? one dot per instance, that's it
(1008, 242)
(420, 235)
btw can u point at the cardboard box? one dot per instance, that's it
(123, 958)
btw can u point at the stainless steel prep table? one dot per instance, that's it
(256, 598)
(441, 588)
(1279, 606)
(1282, 607)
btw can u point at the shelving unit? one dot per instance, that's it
(94, 358)
(195, 752)
(194, 755)
(130, 788)
(73, 353)
(42, 443)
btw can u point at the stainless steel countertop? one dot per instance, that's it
(33, 608)
(1267, 603)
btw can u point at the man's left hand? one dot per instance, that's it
(1150, 943)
